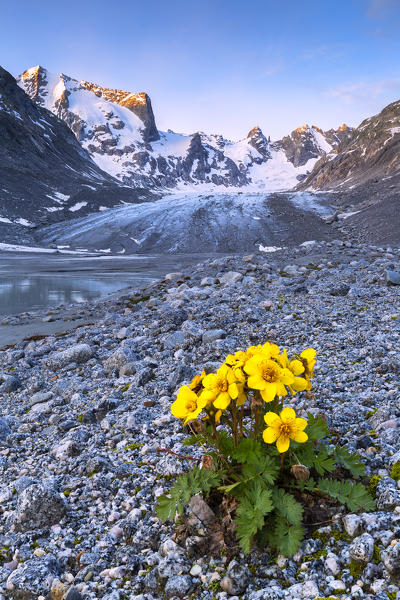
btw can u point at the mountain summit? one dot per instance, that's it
(118, 130)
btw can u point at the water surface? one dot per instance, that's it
(30, 282)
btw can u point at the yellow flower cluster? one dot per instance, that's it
(263, 370)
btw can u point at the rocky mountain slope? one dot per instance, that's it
(45, 174)
(118, 130)
(364, 173)
(371, 151)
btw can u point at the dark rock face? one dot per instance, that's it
(257, 139)
(46, 176)
(370, 152)
(139, 104)
(301, 145)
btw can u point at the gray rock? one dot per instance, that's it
(230, 277)
(352, 525)
(391, 560)
(175, 563)
(393, 277)
(127, 369)
(142, 377)
(73, 594)
(208, 281)
(211, 335)
(174, 277)
(80, 353)
(39, 506)
(172, 316)
(33, 578)
(387, 494)
(122, 356)
(236, 579)
(40, 397)
(342, 289)
(5, 429)
(291, 270)
(361, 549)
(174, 340)
(178, 585)
(10, 383)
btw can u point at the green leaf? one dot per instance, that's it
(316, 428)
(287, 506)
(349, 461)
(354, 495)
(167, 508)
(251, 515)
(228, 488)
(187, 485)
(323, 461)
(191, 440)
(287, 538)
(247, 450)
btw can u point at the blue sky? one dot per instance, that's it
(220, 66)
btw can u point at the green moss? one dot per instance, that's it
(126, 388)
(80, 417)
(66, 493)
(373, 483)
(377, 554)
(391, 595)
(355, 569)
(316, 555)
(372, 433)
(77, 541)
(371, 413)
(338, 536)
(395, 472)
(134, 301)
(133, 446)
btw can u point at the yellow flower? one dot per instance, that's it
(240, 382)
(196, 381)
(220, 387)
(297, 368)
(308, 359)
(237, 360)
(284, 427)
(187, 405)
(272, 350)
(268, 377)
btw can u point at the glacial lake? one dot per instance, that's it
(30, 282)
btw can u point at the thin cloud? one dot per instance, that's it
(380, 8)
(364, 90)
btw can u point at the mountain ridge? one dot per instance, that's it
(136, 153)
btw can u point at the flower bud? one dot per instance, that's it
(300, 472)
(207, 462)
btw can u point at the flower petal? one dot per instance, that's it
(300, 436)
(297, 367)
(299, 384)
(283, 443)
(300, 423)
(222, 401)
(308, 354)
(270, 435)
(287, 414)
(269, 393)
(270, 417)
(256, 382)
(233, 390)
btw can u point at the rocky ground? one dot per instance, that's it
(85, 412)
